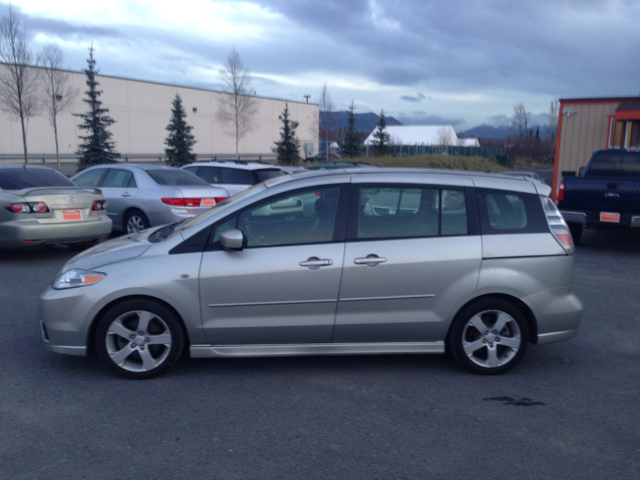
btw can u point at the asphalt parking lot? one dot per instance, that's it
(570, 410)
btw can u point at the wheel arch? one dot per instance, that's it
(527, 313)
(96, 319)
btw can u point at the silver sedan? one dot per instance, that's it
(304, 265)
(142, 196)
(40, 206)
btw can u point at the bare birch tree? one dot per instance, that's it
(521, 120)
(57, 92)
(552, 122)
(238, 108)
(325, 105)
(18, 78)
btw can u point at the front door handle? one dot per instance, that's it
(314, 263)
(369, 260)
(126, 194)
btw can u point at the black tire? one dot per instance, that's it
(479, 347)
(139, 338)
(576, 232)
(135, 221)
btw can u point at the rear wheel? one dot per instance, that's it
(576, 232)
(488, 337)
(139, 338)
(136, 221)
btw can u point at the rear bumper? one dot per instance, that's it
(26, 233)
(591, 218)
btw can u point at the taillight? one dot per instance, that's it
(99, 205)
(557, 225)
(561, 192)
(39, 207)
(193, 202)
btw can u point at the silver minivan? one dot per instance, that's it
(323, 263)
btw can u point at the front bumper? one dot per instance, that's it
(65, 320)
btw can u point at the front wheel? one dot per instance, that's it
(139, 338)
(488, 337)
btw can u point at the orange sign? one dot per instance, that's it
(71, 215)
(610, 217)
(207, 202)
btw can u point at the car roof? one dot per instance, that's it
(239, 164)
(481, 179)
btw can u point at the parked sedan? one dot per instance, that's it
(477, 265)
(142, 196)
(39, 206)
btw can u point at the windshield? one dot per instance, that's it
(19, 178)
(176, 178)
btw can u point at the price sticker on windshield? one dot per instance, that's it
(610, 217)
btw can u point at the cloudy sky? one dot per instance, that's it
(459, 62)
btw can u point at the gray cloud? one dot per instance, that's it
(476, 59)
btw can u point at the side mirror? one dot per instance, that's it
(232, 239)
(581, 171)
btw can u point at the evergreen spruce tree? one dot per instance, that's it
(351, 146)
(381, 139)
(288, 148)
(97, 147)
(180, 141)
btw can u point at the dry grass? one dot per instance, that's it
(446, 162)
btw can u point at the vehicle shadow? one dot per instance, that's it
(610, 240)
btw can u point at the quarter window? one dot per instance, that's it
(510, 212)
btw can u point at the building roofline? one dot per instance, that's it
(81, 72)
(599, 99)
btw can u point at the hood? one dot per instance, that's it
(112, 251)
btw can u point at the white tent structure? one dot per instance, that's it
(469, 142)
(419, 135)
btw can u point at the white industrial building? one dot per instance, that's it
(142, 111)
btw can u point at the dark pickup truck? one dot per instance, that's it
(605, 195)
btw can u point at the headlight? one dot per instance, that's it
(77, 278)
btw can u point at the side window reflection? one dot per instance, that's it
(396, 212)
(299, 218)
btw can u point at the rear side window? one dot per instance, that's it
(208, 174)
(510, 212)
(118, 178)
(19, 178)
(235, 176)
(89, 178)
(405, 212)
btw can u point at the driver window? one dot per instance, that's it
(299, 218)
